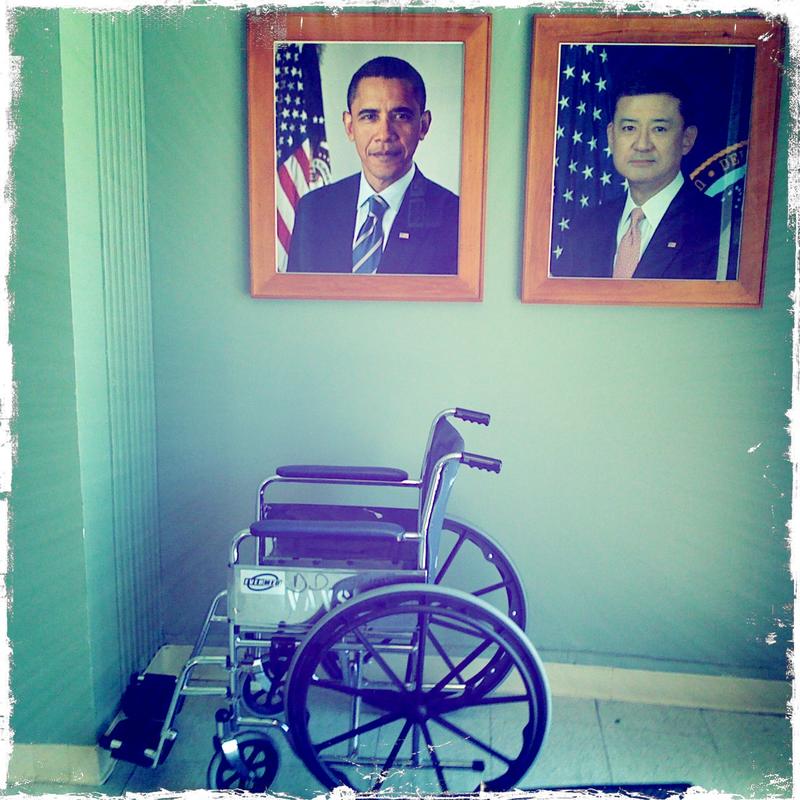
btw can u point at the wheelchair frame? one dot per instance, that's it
(377, 632)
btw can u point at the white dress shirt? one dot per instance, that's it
(393, 196)
(654, 210)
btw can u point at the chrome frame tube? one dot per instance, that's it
(354, 667)
(233, 557)
(182, 687)
(211, 616)
(427, 511)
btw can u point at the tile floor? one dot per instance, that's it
(590, 743)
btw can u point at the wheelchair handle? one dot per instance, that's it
(475, 461)
(472, 416)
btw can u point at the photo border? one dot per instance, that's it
(548, 35)
(263, 30)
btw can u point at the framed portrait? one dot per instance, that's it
(650, 159)
(367, 155)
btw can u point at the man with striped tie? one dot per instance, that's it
(389, 218)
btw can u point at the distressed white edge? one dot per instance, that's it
(9, 85)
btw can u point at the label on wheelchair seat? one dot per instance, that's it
(264, 596)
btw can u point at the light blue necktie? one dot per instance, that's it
(368, 248)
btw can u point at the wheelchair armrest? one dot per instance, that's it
(298, 529)
(339, 473)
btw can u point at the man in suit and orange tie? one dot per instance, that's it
(389, 218)
(663, 227)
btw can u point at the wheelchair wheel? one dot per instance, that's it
(262, 702)
(472, 561)
(414, 711)
(269, 702)
(258, 768)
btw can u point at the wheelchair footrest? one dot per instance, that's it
(148, 696)
(137, 741)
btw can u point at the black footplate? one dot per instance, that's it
(136, 734)
(137, 740)
(148, 695)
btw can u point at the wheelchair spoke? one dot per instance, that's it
(335, 686)
(390, 673)
(457, 628)
(437, 765)
(422, 627)
(471, 700)
(385, 699)
(443, 653)
(473, 553)
(503, 700)
(386, 719)
(410, 660)
(489, 589)
(465, 662)
(474, 701)
(472, 739)
(450, 558)
(392, 757)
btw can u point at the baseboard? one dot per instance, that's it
(80, 765)
(718, 692)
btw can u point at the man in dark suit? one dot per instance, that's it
(663, 227)
(389, 218)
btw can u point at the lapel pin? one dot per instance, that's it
(672, 244)
(404, 235)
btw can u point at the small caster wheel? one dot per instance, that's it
(249, 762)
(262, 702)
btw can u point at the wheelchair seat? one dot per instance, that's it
(352, 475)
(369, 541)
(310, 542)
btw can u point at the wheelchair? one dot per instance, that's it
(347, 635)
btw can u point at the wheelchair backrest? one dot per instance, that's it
(436, 485)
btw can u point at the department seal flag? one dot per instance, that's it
(303, 161)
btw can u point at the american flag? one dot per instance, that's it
(584, 172)
(303, 161)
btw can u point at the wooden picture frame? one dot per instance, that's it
(456, 45)
(743, 194)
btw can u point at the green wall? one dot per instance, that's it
(85, 576)
(51, 662)
(645, 489)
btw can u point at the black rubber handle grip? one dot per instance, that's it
(472, 416)
(475, 461)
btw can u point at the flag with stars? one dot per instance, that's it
(584, 171)
(303, 161)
